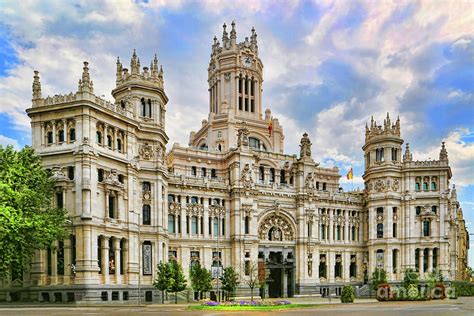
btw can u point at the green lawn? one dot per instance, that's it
(252, 308)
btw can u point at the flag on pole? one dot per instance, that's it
(270, 126)
(350, 175)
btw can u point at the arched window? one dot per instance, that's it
(433, 185)
(418, 210)
(394, 230)
(98, 137)
(122, 105)
(72, 134)
(272, 175)
(194, 200)
(203, 146)
(216, 226)
(149, 108)
(417, 186)
(50, 137)
(434, 209)
(282, 176)
(247, 224)
(254, 143)
(146, 214)
(146, 186)
(379, 230)
(143, 107)
(109, 141)
(261, 174)
(425, 186)
(61, 136)
(70, 172)
(119, 145)
(170, 198)
(353, 233)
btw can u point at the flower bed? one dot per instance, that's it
(247, 303)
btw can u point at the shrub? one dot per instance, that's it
(379, 276)
(410, 278)
(348, 294)
(464, 288)
(413, 292)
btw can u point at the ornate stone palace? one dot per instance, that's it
(232, 197)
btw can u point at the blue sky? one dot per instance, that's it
(328, 66)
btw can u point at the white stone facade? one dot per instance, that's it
(231, 194)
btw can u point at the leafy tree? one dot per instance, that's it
(348, 294)
(163, 279)
(379, 276)
(230, 281)
(178, 280)
(410, 278)
(201, 279)
(28, 222)
(252, 280)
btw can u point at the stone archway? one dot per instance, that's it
(276, 228)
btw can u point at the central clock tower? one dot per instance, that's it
(235, 96)
(235, 76)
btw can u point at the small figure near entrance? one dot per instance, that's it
(275, 234)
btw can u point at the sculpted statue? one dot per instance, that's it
(242, 136)
(246, 176)
(305, 146)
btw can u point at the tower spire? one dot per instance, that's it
(233, 34)
(253, 40)
(36, 86)
(225, 37)
(134, 64)
(407, 157)
(85, 83)
(443, 154)
(119, 71)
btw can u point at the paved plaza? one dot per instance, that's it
(461, 306)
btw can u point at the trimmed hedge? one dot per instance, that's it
(348, 294)
(463, 288)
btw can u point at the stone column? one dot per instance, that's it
(183, 217)
(116, 243)
(430, 259)
(43, 136)
(107, 193)
(54, 263)
(330, 259)
(105, 258)
(54, 133)
(206, 219)
(420, 261)
(316, 265)
(285, 283)
(67, 260)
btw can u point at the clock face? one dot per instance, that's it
(247, 61)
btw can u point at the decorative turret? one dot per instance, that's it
(118, 74)
(85, 83)
(233, 35)
(225, 37)
(407, 157)
(443, 154)
(388, 129)
(305, 147)
(253, 40)
(135, 64)
(36, 86)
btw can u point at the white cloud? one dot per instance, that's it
(5, 141)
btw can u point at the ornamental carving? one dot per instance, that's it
(309, 182)
(146, 196)
(247, 210)
(174, 208)
(379, 185)
(310, 215)
(379, 218)
(216, 211)
(246, 176)
(194, 209)
(275, 228)
(58, 174)
(112, 178)
(395, 185)
(243, 136)
(146, 151)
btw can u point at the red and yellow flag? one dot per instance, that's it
(350, 175)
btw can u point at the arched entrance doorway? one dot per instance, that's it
(276, 256)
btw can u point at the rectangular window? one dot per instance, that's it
(394, 260)
(193, 171)
(194, 224)
(322, 266)
(70, 172)
(323, 232)
(146, 214)
(223, 227)
(434, 209)
(394, 230)
(240, 103)
(172, 255)
(252, 105)
(213, 173)
(171, 224)
(59, 200)
(379, 230)
(203, 172)
(146, 186)
(216, 226)
(246, 104)
(111, 206)
(394, 154)
(353, 233)
(426, 228)
(324, 186)
(353, 267)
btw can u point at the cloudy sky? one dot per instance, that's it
(328, 66)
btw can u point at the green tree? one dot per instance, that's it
(230, 281)
(28, 222)
(252, 278)
(163, 279)
(201, 279)
(379, 276)
(178, 280)
(410, 278)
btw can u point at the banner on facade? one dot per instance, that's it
(216, 272)
(147, 260)
(379, 260)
